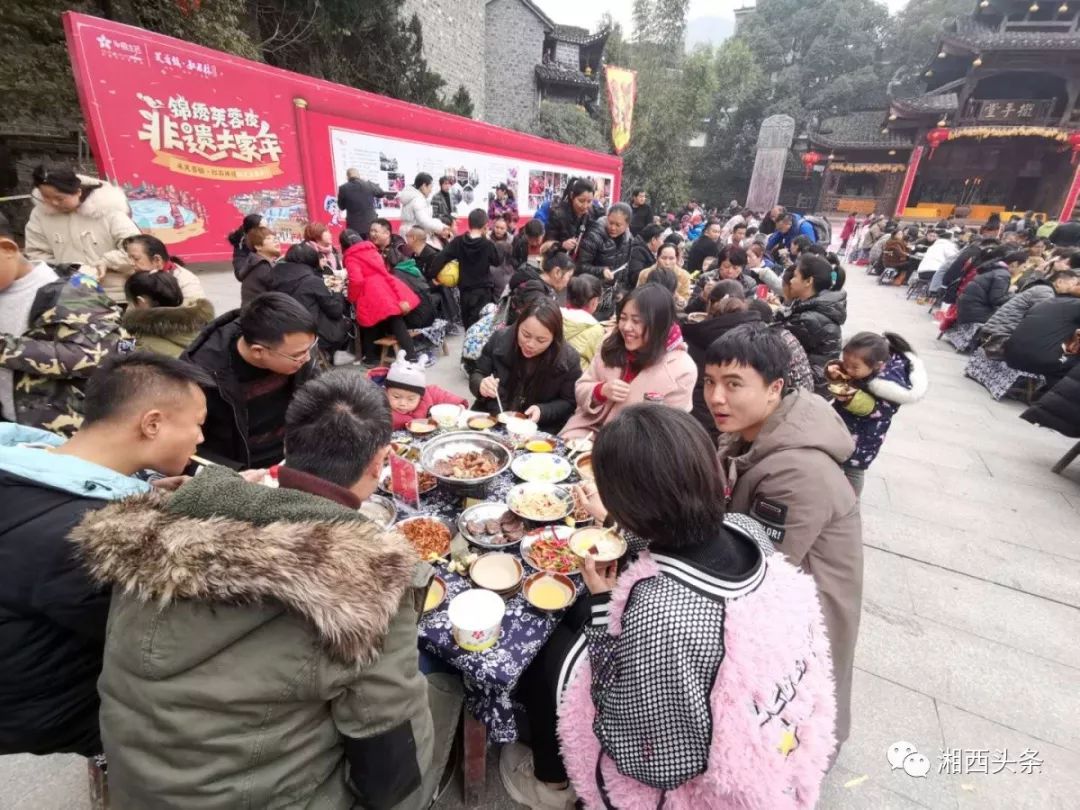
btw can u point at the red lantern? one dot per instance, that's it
(1074, 144)
(936, 137)
(809, 160)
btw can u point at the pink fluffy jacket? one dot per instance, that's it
(773, 708)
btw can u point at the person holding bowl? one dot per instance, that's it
(529, 367)
(644, 358)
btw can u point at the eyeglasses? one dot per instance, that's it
(301, 358)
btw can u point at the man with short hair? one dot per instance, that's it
(788, 227)
(442, 204)
(605, 247)
(356, 197)
(528, 243)
(475, 255)
(257, 356)
(781, 461)
(706, 246)
(642, 211)
(262, 646)
(738, 235)
(53, 334)
(141, 411)
(643, 251)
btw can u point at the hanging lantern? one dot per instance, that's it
(977, 62)
(984, 4)
(884, 130)
(941, 55)
(1033, 7)
(892, 116)
(809, 160)
(832, 156)
(942, 122)
(1074, 144)
(1063, 8)
(936, 137)
(928, 74)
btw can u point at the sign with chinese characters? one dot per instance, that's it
(198, 138)
(1015, 111)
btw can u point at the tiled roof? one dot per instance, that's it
(977, 36)
(859, 130)
(564, 75)
(927, 104)
(577, 35)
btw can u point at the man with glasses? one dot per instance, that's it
(257, 356)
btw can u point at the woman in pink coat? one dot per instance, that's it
(643, 358)
(381, 301)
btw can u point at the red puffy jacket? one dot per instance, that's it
(375, 293)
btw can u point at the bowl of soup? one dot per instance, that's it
(583, 465)
(436, 593)
(549, 592)
(422, 427)
(603, 545)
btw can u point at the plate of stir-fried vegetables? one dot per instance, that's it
(548, 549)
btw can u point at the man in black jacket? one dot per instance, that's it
(356, 197)
(643, 215)
(706, 246)
(476, 255)
(643, 253)
(299, 277)
(258, 357)
(141, 411)
(605, 247)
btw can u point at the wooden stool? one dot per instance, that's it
(388, 350)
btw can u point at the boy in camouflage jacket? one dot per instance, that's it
(73, 327)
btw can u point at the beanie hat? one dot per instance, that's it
(405, 375)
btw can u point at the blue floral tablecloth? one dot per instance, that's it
(489, 676)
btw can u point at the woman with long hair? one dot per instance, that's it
(158, 317)
(644, 357)
(148, 253)
(318, 235)
(529, 367)
(572, 216)
(668, 695)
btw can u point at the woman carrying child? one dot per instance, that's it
(874, 376)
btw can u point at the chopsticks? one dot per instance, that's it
(498, 399)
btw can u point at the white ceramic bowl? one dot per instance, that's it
(446, 415)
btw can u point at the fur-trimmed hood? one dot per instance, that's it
(166, 322)
(104, 200)
(336, 570)
(884, 388)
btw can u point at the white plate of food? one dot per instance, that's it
(548, 549)
(491, 525)
(541, 502)
(544, 467)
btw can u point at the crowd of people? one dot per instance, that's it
(1006, 293)
(262, 639)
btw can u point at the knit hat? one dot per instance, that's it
(405, 375)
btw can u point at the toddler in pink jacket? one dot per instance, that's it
(408, 393)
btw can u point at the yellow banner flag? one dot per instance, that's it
(622, 91)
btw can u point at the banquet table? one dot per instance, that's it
(489, 676)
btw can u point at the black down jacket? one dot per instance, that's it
(640, 258)
(598, 250)
(1035, 344)
(816, 324)
(306, 286)
(563, 224)
(986, 292)
(52, 623)
(1059, 408)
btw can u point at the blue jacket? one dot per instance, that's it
(799, 227)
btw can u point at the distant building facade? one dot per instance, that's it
(454, 43)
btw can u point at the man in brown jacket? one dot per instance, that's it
(781, 464)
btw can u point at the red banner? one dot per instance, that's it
(199, 138)
(622, 92)
(1071, 197)
(909, 180)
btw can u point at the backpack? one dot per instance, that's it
(822, 229)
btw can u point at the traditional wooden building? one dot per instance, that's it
(997, 129)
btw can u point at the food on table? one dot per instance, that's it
(550, 552)
(425, 481)
(470, 464)
(506, 528)
(548, 593)
(541, 467)
(581, 506)
(496, 571)
(840, 389)
(481, 423)
(540, 446)
(537, 504)
(435, 594)
(379, 510)
(584, 466)
(603, 545)
(506, 416)
(422, 426)
(428, 536)
(446, 414)
(521, 430)
(460, 564)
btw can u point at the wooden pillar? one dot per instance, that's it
(311, 196)
(1070, 197)
(909, 180)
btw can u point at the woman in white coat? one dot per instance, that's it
(80, 220)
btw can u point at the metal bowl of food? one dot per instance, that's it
(379, 510)
(430, 535)
(491, 525)
(465, 458)
(539, 502)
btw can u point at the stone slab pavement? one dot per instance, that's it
(971, 611)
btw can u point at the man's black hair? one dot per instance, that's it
(752, 345)
(534, 228)
(422, 179)
(123, 379)
(736, 255)
(383, 223)
(303, 253)
(269, 317)
(650, 232)
(478, 218)
(335, 424)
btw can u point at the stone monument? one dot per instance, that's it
(774, 141)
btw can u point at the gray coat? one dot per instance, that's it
(1004, 322)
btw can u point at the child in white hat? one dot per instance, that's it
(408, 393)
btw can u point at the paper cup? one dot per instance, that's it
(446, 415)
(476, 619)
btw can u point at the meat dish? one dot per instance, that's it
(506, 528)
(467, 465)
(429, 537)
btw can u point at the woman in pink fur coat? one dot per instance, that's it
(702, 678)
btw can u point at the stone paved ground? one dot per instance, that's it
(970, 619)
